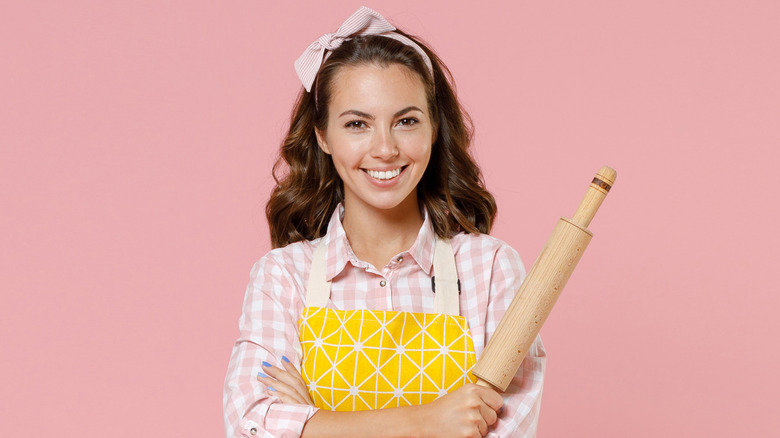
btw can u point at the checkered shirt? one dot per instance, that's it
(489, 271)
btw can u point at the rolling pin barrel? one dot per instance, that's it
(540, 290)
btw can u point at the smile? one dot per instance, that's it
(384, 174)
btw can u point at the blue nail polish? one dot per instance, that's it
(261, 375)
(271, 389)
(284, 358)
(266, 364)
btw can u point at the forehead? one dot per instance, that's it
(372, 86)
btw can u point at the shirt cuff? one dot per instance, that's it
(280, 421)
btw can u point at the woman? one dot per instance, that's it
(379, 208)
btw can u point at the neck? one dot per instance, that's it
(377, 235)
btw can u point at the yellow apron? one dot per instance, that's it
(372, 359)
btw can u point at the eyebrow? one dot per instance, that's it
(370, 117)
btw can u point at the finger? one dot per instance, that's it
(488, 414)
(285, 397)
(270, 369)
(283, 390)
(290, 368)
(483, 427)
(290, 376)
(279, 373)
(491, 398)
(300, 385)
(269, 383)
(276, 388)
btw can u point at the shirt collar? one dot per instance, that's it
(422, 248)
(339, 252)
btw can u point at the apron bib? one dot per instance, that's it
(373, 359)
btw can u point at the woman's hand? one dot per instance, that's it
(285, 383)
(466, 412)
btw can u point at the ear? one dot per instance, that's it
(321, 141)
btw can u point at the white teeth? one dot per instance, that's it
(387, 174)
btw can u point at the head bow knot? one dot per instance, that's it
(363, 22)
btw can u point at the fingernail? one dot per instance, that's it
(261, 375)
(266, 364)
(271, 389)
(284, 358)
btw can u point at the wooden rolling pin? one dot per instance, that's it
(540, 290)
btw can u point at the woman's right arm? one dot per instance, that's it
(268, 330)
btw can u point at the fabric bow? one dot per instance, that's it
(365, 21)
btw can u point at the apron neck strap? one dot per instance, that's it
(444, 282)
(318, 289)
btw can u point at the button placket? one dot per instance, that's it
(385, 292)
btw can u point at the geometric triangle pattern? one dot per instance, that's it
(355, 360)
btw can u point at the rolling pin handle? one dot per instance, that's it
(595, 195)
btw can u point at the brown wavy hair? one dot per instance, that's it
(308, 188)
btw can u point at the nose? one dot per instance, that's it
(384, 146)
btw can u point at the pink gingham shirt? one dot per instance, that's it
(489, 271)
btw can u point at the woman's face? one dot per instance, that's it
(379, 135)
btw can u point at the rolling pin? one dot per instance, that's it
(538, 293)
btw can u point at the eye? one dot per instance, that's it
(355, 124)
(408, 121)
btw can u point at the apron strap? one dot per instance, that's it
(445, 280)
(318, 289)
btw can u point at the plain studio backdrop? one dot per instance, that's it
(137, 140)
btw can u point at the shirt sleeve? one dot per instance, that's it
(268, 330)
(523, 396)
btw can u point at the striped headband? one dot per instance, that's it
(363, 22)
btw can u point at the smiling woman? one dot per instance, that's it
(384, 285)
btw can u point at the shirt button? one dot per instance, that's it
(253, 431)
(399, 259)
(383, 283)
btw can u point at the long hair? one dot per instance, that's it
(308, 188)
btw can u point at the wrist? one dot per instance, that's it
(414, 422)
(402, 422)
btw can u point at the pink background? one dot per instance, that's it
(137, 140)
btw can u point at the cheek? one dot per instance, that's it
(344, 151)
(422, 148)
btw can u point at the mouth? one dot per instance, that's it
(385, 175)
